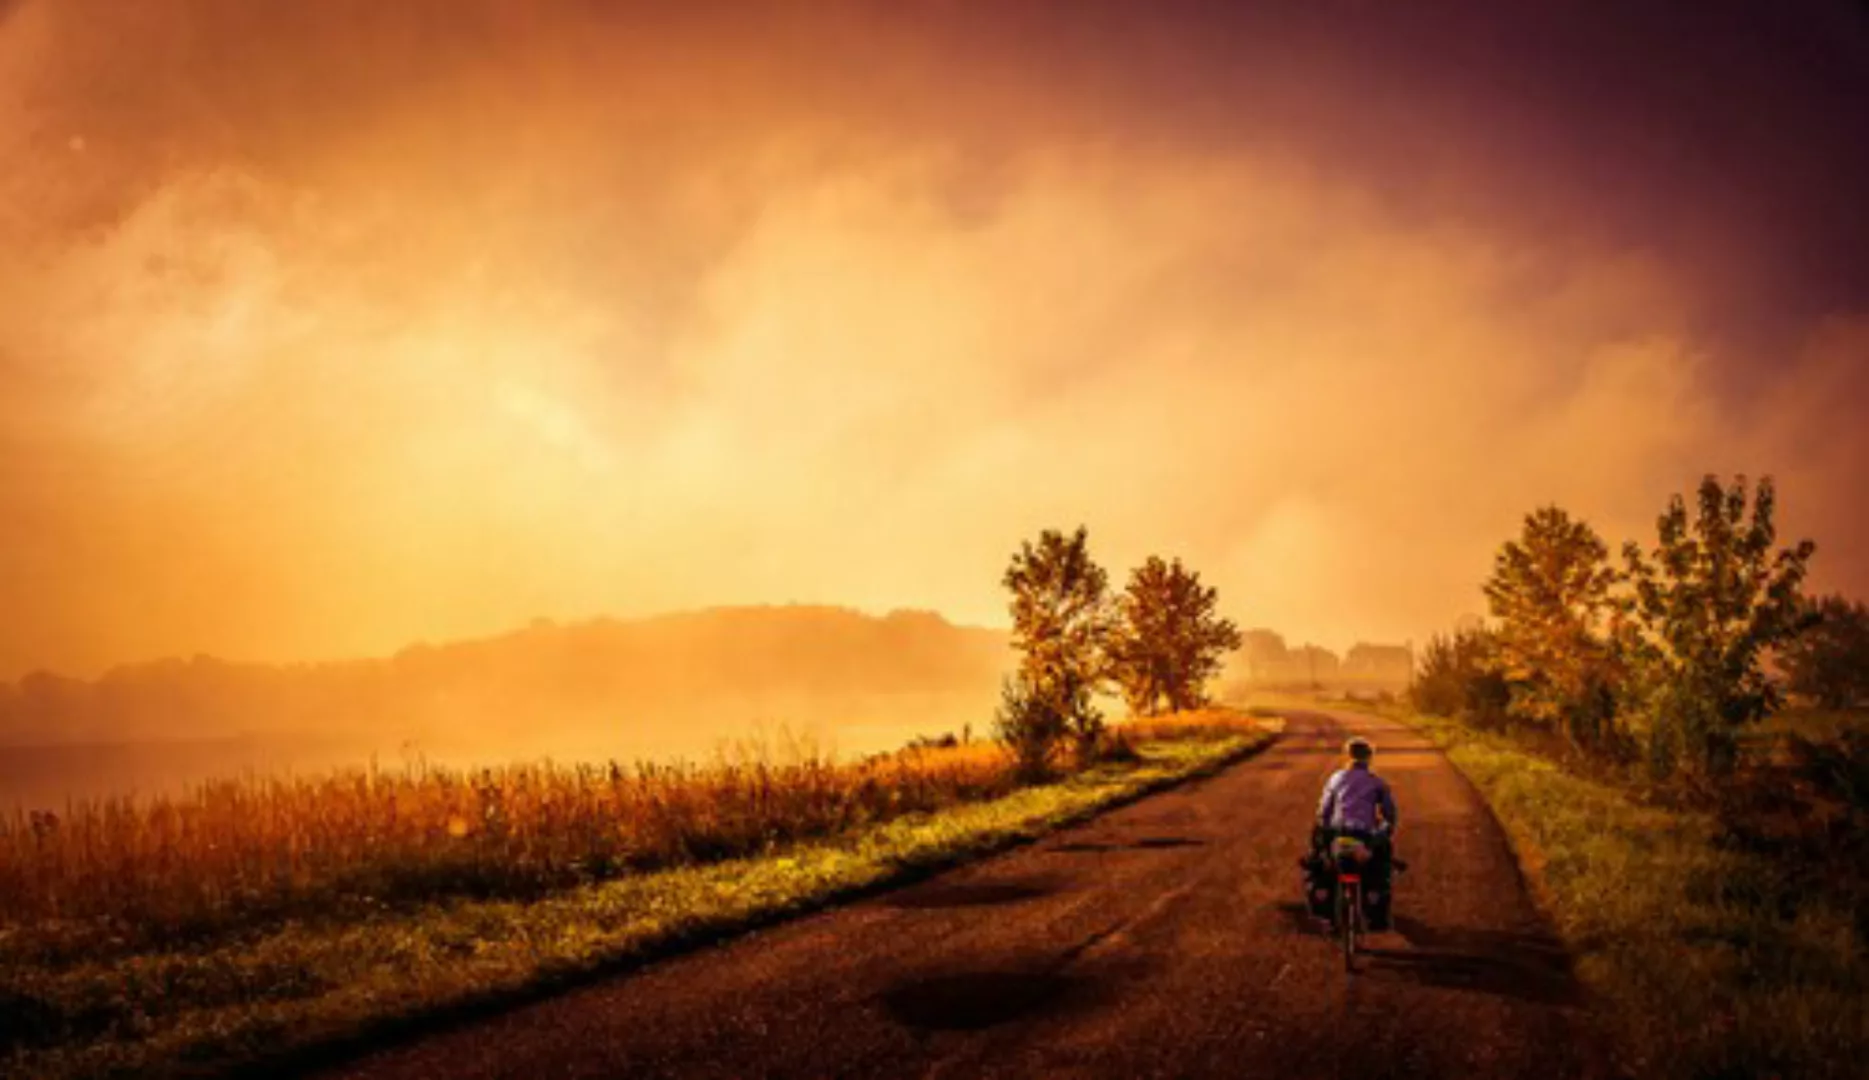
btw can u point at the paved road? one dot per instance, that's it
(1163, 939)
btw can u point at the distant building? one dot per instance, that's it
(1263, 654)
(1382, 665)
(1314, 663)
(1265, 660)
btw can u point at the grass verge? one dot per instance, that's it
(309, 987)
(1709, 960)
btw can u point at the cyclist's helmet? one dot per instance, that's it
(1359, 748)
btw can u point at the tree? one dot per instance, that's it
(1168, 641)
(1829, 661)
(1061, 624)
(1710, 599)
(1551, 592)
(1459, 677)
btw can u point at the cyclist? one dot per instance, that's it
(1358, 804)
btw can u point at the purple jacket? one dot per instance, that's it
(1351, 798)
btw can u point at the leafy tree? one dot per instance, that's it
(1459, 676)
(1061, 625)
(1169, 642)
(1710, 599)
(1551, 592)
(1829, 661)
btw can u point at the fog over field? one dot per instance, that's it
(770, 682)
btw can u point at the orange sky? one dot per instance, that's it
(329, 327)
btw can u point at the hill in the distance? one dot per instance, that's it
(672, 685)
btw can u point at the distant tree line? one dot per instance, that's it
(1666, 659)
(1158, 643)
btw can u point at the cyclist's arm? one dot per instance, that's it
(1327, 805)
(1386, 800)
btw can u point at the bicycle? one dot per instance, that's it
(1334, 889)
(1347, 916)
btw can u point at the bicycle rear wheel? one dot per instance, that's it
(1349, 919)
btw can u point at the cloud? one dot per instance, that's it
(557, 325)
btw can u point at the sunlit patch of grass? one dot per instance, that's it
(1709, 959)
(1199, 724)
(271, 987)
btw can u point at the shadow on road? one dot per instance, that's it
(1529, 967)
(1300, 919)
(975, 1000)
(1532, 967)
(969, 894)
(1147, 843)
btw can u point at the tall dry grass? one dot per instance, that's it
(231, 852)
(1213, 723)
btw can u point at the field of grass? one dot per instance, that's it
(1712, 958)
(244, 938)
(238, 852)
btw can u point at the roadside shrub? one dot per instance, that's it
(1458, 678)
(1829, 662)
(1115, 746)
(1838, 769)
(1030, 726)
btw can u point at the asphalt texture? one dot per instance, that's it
(1167, 938)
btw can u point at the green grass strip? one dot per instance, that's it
(1706, 960)
(302, 992)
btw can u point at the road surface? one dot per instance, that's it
(1166, 938)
